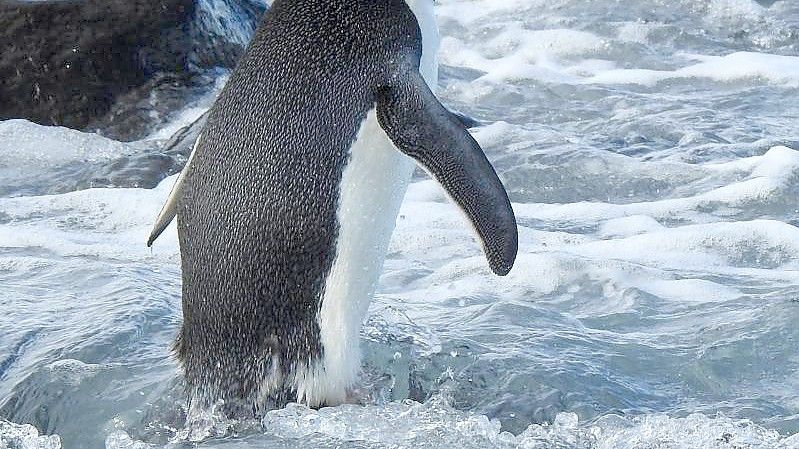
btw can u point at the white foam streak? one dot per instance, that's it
(739, 66)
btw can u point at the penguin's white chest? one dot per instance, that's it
(372, 186)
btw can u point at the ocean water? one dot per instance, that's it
(651, 152)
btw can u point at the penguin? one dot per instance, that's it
(289, 198)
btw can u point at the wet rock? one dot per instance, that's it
(221, 30)
(66, 62)
(112, 66)
(135, 114)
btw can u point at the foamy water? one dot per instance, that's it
(651, 154)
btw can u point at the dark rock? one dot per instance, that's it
(136, 113)
(113, 66)
(221, 30)
(65, 62)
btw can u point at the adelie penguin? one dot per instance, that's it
(287, 204)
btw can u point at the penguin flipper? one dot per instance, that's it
(170, 208)
(421, 127)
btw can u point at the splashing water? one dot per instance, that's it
(650, 150)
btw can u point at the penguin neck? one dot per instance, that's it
(426, 18)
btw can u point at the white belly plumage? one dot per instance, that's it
(372, 187)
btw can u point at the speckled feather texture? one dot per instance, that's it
(279, 260)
